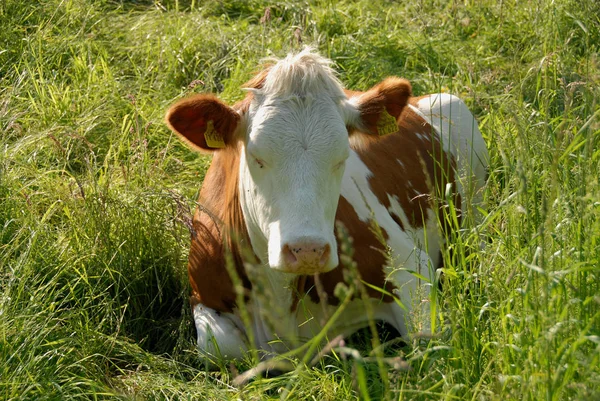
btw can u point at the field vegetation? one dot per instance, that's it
(96, 194)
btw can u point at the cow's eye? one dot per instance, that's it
(259, 162)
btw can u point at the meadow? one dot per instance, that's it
(96, 194)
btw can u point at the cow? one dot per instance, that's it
(299, 162)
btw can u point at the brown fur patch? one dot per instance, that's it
(413, 183)
(219, 226)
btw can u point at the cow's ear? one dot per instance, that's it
(204, 122)
(379, 107)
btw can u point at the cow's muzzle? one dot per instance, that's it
(306, 257)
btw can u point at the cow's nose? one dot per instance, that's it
(306, 257)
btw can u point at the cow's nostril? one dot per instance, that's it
(289, 255)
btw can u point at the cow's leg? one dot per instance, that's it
(219, 334)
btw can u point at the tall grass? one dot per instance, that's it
(96, 195)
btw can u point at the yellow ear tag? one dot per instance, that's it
(387, 124)
(212, 137)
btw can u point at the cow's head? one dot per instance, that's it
(292, 132)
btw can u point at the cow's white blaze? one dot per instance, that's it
(292, 165)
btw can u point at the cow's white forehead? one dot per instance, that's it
(296, 126)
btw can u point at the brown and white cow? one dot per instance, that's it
(298, 154)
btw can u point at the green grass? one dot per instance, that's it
(96, 194)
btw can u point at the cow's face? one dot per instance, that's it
(290, 176)
(292, 135)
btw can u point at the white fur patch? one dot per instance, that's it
(460, 136)
(458, 130)
(219, 334)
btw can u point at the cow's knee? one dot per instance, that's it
(219, 334)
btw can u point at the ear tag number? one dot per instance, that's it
(387, 123)
(212, 137)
